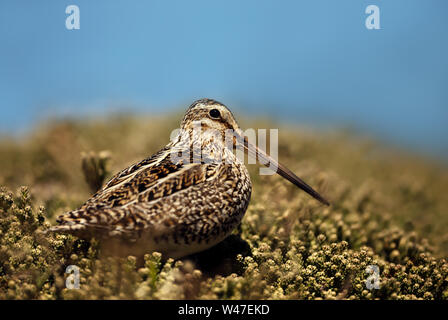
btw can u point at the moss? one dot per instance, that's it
(388, 210)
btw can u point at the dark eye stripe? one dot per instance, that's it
(214, 113)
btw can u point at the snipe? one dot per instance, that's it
(184, 199)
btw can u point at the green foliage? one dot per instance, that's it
(388, 210)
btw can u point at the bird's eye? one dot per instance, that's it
(214, 113)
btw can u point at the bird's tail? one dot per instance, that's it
(66, 228)
(70, 222)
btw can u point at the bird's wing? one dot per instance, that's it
(131, 171)
(135, 198)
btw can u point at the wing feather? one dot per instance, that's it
(131, 200)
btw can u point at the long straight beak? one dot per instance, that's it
(283, 171)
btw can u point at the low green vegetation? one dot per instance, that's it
(388, 210)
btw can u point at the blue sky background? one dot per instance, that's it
(303, 61)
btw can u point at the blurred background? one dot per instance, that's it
(304, 62)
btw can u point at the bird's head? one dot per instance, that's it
(212, 116)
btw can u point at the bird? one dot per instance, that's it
(184, 199)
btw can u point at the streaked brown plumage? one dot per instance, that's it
(177, 205)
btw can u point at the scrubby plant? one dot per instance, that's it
(388, 212)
